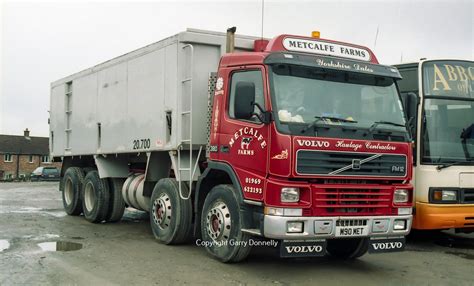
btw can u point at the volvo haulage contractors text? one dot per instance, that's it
(226, 138)
(439, 102)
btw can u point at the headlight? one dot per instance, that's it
(290, 195)
(400, 196)
(440, 196)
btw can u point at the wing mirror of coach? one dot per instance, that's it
(244, 100)
(411, 107)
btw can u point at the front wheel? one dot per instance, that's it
(348, 248)
(221, 224)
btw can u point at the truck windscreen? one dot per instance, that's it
(307, 95)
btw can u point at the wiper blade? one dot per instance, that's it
(377, 123)
(320, 118)
(446, 165)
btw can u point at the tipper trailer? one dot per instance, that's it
(298, 139)
(439, 101)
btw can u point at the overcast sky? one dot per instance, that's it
(42, 42)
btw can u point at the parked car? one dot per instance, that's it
(45, 174)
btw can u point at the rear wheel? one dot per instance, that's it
(221, 224)
(95, 197)
(349, 248)
(116, 204)
(170, 216)
(71, 188)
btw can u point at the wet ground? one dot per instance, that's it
(41, 245)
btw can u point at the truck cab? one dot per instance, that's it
(314, 135)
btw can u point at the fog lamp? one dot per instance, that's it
(294, 227)
(399, 224)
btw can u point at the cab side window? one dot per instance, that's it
(254, 76)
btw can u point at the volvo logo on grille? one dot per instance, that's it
(356, 164)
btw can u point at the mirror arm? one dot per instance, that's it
(265, 116)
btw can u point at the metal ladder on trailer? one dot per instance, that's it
(190, 168)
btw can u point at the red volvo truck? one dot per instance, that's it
(226, 138)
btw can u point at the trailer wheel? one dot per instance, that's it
(116, 204)
(221, 225)
(96, 197)
(350, 248)
(170, 216)
(71, 188)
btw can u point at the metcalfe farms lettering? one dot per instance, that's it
(326, 48)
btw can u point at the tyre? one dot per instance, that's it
(170, 216)
(349, 248)
(96, 197)
(116, 203)
(221, 224)
(71, 189)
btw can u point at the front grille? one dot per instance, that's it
(366, 200)
(309, 162)
(351, 222)
(468, 196)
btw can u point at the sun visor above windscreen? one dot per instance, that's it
(332, 63)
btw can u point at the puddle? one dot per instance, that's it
(462, 255)
(33, 210)
(60, 246)
(4, 244)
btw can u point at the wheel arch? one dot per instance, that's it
(215, 174)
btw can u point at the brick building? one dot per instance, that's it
(21, 155)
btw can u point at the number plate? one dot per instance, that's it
(351, 231)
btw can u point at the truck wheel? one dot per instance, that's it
(116, 204)
(170, 216)
(221, 224)
(95, 197)
(350, 248)
(71, 188)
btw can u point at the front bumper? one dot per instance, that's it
(442, 216)
(325, 227)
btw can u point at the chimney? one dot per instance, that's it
(26, 133)
(230, 40)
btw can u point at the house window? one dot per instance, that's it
(30, 159)
(45, 159)
(7, 158)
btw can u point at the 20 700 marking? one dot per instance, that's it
(141, 144)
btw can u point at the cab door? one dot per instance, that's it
(244, 142)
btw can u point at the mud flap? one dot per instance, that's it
(302, 248)
(383, 245)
